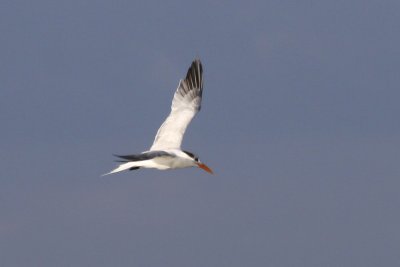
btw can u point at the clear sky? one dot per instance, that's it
(300, 122)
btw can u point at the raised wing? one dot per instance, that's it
(186, 103)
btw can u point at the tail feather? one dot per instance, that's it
(124, 166)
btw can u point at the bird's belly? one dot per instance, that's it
(171, 163)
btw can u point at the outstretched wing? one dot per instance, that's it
(186, 103)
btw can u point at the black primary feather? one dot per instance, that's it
(143, 156)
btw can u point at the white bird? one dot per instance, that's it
(165, 153)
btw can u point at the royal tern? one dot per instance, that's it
(165, 153)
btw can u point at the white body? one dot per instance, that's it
(181, 160)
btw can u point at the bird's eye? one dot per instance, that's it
(196, 159)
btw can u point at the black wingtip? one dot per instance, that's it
(197, 64)
(142, 156)
(125, 158)
(194, 75)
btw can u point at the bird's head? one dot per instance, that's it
(197, 162)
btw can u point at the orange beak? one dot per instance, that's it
(205, 167)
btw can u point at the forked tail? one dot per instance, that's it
(125, 166)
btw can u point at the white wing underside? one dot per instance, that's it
(185, 104)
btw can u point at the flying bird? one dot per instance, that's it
(166, 152)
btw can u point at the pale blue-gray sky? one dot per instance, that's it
(300, 122)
